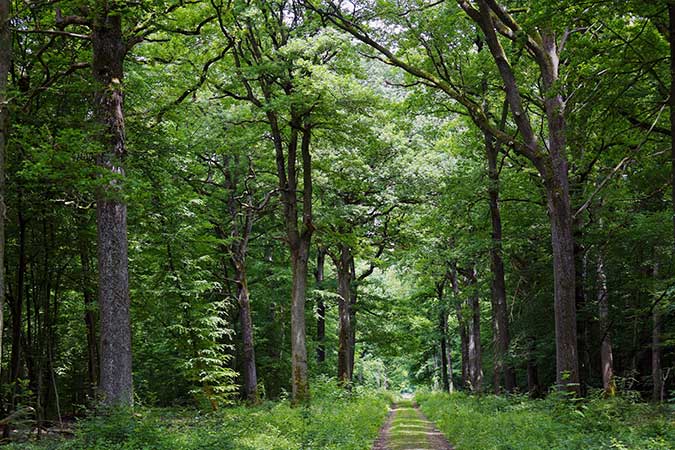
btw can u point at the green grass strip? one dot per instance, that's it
(408, 429)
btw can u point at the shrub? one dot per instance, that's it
(335, 420)
(516, 422)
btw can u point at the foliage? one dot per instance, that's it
(516, 422)
(272, 426)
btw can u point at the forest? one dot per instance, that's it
(337, 224)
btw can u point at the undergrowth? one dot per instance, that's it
(517, 422)
(336, 419)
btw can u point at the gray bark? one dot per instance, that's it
(443, 332)
(463, 333)
(606, 355)
(474, 345)
(552, 167)
(299, 237)
(250, 373)
(451, 383)
(109, 50)
(320, 308)
(300, 380)
(343, 268)
(500, 316)
(241, 226)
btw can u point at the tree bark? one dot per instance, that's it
(463, 331)
(553, 169)
(567, 366)
(320, 308)
(344, 275)
(352, 315)
(583, 341)
(250, 372)
(671, 40)
(109, 51)
(500, 316)
(89, 313)
(451, 383)
(300, 381)
(606, 356)
(657, 370)
(5, 62)
(299, 239)
(474, 344)
(532, 369)
(17, 301)
(443, 331)
(241, 226)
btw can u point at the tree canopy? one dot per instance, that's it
(207, 202)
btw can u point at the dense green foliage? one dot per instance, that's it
(400, 99)
(270, 426)
(492, 422)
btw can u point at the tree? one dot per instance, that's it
(551, 162)
(108, 52)
(5, 61)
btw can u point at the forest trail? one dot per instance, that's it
(407, 428)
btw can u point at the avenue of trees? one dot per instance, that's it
(207, 201)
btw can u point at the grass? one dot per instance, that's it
(491, 422)
(336, 420)
(408, 430)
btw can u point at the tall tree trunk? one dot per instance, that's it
(451, 383)
(352, 315)
(320, 308)
(250, 372)
(241, 225)
(109, 50)
(567, 366)
(443, 330)
(17, 302)
(671, 40)
(552, 166)
(463, 330)
(344, 275)
(16, 307)
(300, 382)
(581, 305)
(500, 316)
(444, 353)
(474, 345)
(89, 312)
(5, 62)
(299, 238)
(657, 371)
(532, 368)
(606, 356)
(557, 183)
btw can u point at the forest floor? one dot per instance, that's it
(490, 422)
(407, 428)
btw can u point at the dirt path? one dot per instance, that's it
(406, 428)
